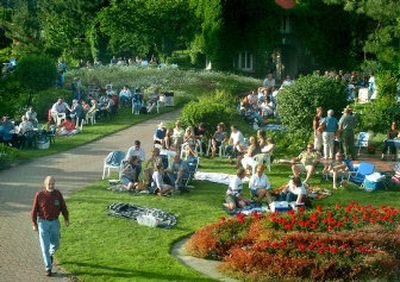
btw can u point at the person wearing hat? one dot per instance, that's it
(47, 206)
(347, 123)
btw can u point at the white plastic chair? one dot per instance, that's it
(362, 141)
(264, 158)
(112, 161)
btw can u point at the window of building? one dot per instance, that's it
(244, 61)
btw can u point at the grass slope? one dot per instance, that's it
(97, 247)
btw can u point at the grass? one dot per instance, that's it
(97, 247)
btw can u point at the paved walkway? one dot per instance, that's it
(20, 257)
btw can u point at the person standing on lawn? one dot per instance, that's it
(47, 205)
(347, 123)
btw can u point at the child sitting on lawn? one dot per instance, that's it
(161, 188)
(295, 191)
(234, 198)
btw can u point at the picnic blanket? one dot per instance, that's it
(161, 218)
(216, 177)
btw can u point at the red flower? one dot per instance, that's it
(319, 209)
(301, 247)
(333, 250)
(330, 228)
(372, 220)
(339, 224)
(257, 248)
(274, 245)
(313, 226)
(345, 218)
(338, 206)
(256, 215)
(355, 220)
(288, 226)
(240, 217)
(223, 218)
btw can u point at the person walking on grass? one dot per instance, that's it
(47, 205)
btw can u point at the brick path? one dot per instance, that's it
(20, 257)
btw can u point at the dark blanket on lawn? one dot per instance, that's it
(166, 219)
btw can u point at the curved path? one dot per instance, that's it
(20, 257)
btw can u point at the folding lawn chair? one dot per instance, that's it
(362, 141)
(113, 160)
(363, 170)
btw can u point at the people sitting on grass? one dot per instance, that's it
(167, 143)
(59, 107)
(234, 198)
(199, 133)
(125, 96)
(295, 191)
(190, 143)
(176, 170)
(337, 170)
(7, 134)
(152, 101)
(177, 136)
(31, 115)
(77, 112)
(128, 176)
(248, 157)
(137, 100)
(24, 126)
(218, 139)
(236, 143)
(67, 127)
(389, 146)
(161, 188)
(259, 185)
(160, 134)
(92, 111)
(137, 150)
(152, 163)
(306, 162)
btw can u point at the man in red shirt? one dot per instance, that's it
(47, 205)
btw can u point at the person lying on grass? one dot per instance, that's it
(128, 172)
(234, 198)
(161, 188)
(295, 191)
(259, 185)
(337, 169)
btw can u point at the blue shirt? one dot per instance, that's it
(331, 124)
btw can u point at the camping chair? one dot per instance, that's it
(113, 160)
(263, 158)
(363, 170)
(362, 141)
(193, 165)
(221, 149)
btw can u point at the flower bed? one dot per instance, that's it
(356, 242)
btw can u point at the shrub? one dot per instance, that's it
(354, 241)
(181, 58)
(297, 103)
(36, 72)
(211, 111)
(7, 153)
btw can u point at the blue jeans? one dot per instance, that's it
(49, 237)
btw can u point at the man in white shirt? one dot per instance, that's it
(259, 185)
(236, 139)
(138, 151)
(59, 107)
(269, 81)
(288, 81)
(125, 95)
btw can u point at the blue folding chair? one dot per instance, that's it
(362, 141)
(363, 170)
(192, 166)
(113, 160)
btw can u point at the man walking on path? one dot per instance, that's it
(47, 205)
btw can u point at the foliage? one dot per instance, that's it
(356, 241)
(210, 110)
(147, 26)
(36, 72)
(298, 102)
(7, 153)
(11, 95)
(385, 33)
(181, 58)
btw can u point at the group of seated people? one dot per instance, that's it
(162, 174)
(13, 132)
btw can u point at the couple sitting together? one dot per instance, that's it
(260, 187)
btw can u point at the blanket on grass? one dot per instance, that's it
(216, 177)
(144, 215)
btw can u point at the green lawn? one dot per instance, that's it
(97, 247)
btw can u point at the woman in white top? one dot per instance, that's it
(160, 187)
(234, 198)
(259, 184)
(177, 135)
(295, 191)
